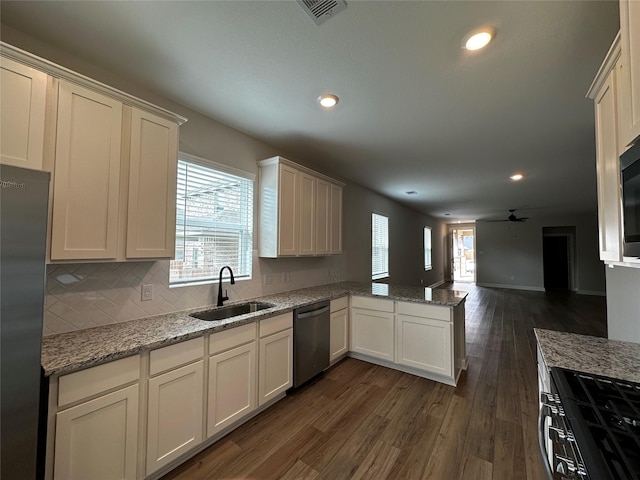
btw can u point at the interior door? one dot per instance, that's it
(555, 258)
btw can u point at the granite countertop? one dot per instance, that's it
(68, 352)
(595, 355)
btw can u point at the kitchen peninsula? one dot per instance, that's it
(155, 391)
(68, 352)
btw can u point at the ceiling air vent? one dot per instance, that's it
(322, 10)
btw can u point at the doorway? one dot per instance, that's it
(463, 254)
(557, 258)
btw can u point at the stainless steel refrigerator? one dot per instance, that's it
(23, 229)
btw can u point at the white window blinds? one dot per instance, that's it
(379, 246)
(427, 248)
(214, 224)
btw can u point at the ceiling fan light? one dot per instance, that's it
(478, 39)
(328, 101)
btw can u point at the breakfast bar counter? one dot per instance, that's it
(68, 352)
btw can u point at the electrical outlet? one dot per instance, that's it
(285, 277)
(267, 279)
(147, 293)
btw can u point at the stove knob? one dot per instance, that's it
(561, 434)
(571, 466)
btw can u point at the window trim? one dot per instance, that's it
(225, 169)
(380, 275)
(428, 265)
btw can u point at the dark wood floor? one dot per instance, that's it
(362, 421)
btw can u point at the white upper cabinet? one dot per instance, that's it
(608, 170)
(153, 162)
(630, 71)
(323, 217)
(610, 94)
(86, 186)
(307, 221)
(296, 211)
(23, 99)
(113, 158)
(336, 219)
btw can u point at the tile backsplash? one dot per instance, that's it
(87, 295)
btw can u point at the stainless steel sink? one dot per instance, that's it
(230, 311)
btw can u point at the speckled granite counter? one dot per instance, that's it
(598, 356)
(72, 351)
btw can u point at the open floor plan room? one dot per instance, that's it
(362, 420)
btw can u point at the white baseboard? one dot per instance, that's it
(590, 292)
(437, 284)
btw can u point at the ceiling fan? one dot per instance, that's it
(512, 217)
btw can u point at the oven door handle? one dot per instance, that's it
(543, 413)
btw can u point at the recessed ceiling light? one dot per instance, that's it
(478, 38)
(516, 176)
(328, 101)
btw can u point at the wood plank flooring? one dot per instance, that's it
(362, 421)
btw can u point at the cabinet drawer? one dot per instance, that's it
(422, 310)
(272, 325)
(92, 381)
(339, 304)
(221, 341)
(372, 304)
(176, 355)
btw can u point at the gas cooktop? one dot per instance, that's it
(604, 414)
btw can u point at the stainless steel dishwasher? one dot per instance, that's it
(310, 341)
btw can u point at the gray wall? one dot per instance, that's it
(210, 139)
(623, 304)
(406, 233)
(509, 254)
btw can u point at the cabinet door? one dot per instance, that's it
(151, 219)
(288, 211)
(98, 439)
(323, 217)
(232, 387)
(425, 343)
(336, 219)
(276, 365)
(23, 97)
(339, 340)
(630, 46)
(372, 333)
(307, 219)
(608, 171)
(175, 414)
(86, 184)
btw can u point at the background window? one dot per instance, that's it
(214, 224)
(427, 248)
(379, 246)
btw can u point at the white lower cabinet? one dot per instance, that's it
(424, 343)
(275, 357)
(175, 406)
(372, 327)
(98, 438)
(232, 382)
(339, 336)
(276, 365)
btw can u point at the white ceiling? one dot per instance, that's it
(416, 111)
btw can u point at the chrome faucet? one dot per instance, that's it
(221, 299)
